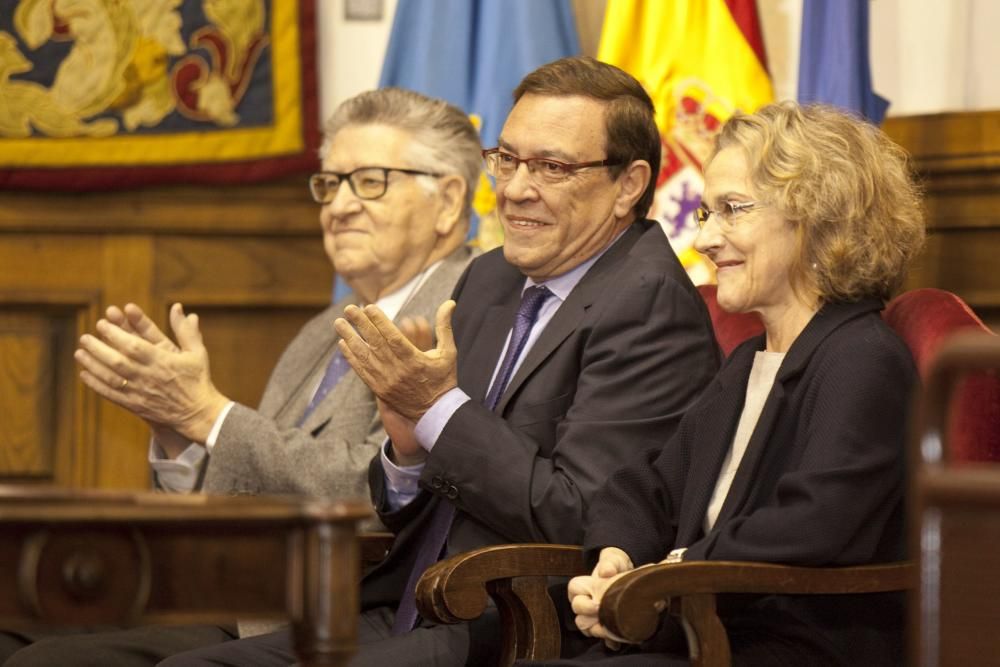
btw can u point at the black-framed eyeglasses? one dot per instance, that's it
(365, 182)
(502, 166)
(729, 213)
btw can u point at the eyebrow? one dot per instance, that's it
(727, 196)
(546, 153)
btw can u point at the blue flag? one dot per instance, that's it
(473, 53)
(833, 61)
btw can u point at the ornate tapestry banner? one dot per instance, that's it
(98, 94)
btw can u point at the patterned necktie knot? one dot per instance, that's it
(531, 302)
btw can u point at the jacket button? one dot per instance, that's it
(452, 492)
(436, 482)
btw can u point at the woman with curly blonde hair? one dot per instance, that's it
(794, 454)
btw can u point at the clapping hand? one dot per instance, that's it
(135, 365)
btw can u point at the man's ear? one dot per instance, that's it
(633, 181)
(452, 190)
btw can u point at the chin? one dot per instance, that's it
(513, 252)
(348, 269)
(729, 302)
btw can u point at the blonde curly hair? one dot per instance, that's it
(844, 185)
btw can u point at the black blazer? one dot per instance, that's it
(625, 355)
(821, 484)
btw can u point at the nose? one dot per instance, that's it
(520, 187)
(343, 204)
(709, 238)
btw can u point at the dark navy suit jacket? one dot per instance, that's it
(625, 355)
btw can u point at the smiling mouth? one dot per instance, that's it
(526, 223)
(726, 265)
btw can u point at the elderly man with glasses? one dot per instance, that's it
(399, 170)
(572, 349)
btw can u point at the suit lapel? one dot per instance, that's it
(486, 353)
(823, 323)
(571, 312)
(706, 461)
(746, 472)
(563, 323)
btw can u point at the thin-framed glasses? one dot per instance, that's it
(365, 182)
(728, 214)
(502, 166)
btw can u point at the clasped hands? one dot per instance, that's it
(585, 594)
(400, 366)
(133, 364)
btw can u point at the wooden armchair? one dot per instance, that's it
(515, 575)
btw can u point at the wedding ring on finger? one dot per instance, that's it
(122, 386)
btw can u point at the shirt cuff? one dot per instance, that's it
(675, 555)
(428, 429)
(213, 435)
(178, 475)
(401, 482)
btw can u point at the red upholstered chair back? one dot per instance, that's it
(731, 329)
(924, 318)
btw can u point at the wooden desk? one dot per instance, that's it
(82, 558)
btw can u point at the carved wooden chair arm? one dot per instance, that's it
(631, 606)
(516, 577)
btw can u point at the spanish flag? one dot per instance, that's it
(699, 60)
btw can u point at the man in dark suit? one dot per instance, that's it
(399, 170)
(532, 396)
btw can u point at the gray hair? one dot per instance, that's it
(445, 140)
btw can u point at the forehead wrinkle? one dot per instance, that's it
(360, 145)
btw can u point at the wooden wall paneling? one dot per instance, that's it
(27, 383)
(957, 156)
(119, 459)
(964, 261)
(49, 295)
(279, 208)
(243, 270)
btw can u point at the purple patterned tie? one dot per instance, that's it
(436, 534)
(335, 370)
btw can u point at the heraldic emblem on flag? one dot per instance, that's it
(700, 61)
